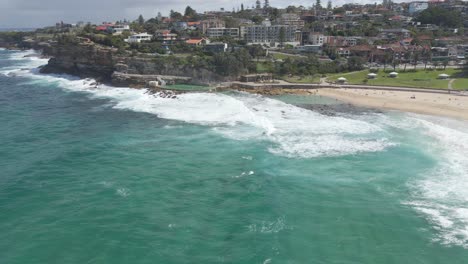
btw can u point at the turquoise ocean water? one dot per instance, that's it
(115, 175)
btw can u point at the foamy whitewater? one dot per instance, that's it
(420, 167)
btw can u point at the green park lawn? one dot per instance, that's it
(420, 79)
(303, 79)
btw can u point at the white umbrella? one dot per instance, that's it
(443, 76)
(371, 75)
(342, 79)
(393, 74)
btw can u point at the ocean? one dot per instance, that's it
(116, 175)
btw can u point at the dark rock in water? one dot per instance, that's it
(338, 109)
(162, 93)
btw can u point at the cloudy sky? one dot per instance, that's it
(38, 13)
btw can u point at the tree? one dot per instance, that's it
(395, 63)
(175, 15)
(318, 4)
(258, 5)
(416, 55)
(445, 62)
(257, 19)
(387, 58)
(407, 57)
(440, 16)
(242, 7)
(355, 63)
(282, 36)
(266, 4)
(141, 20)
(190, 12)
(329, 5)
(426, 56)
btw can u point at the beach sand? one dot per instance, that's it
(438, 104)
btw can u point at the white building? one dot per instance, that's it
(271, 35)
(415, 7)
(138, 38)
(317, 38)
(219, 32)
(118, 29)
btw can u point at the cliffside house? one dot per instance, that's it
(120, 28)
(166, 36)
(138, 38)
(105, 27)
(197, 41)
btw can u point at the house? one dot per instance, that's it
(316, 38)
(399, 33)
(193, 25)
(138, 38)
(120, 28)
(216, 47)
(197, 41)
(363, 51)
(211, 23)
(291, 19)
(165, 35)
(344, 52)
(105, 27)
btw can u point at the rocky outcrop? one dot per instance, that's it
(145, 80)
(87, 59)
(80, 59)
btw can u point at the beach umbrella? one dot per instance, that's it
(342, 79)
(393, 74)
(443, 76)
(371, 75)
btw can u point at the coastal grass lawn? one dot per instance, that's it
(283, 56)
(263, 67)
(419, 79)
(302, 79)
(460, 84)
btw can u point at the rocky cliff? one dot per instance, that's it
(80, 59)
(86, 59)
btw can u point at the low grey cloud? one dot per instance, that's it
(38, 13)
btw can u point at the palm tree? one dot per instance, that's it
(427, 56)
(445, 63)
(386, 59)
(407, 57)
(415, 58)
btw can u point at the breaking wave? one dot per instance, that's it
(292, 131)
(442, 194)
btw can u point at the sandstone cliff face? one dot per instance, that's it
(91, 60)
(164, 66)
(84, 60)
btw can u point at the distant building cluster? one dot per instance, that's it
(370, 31)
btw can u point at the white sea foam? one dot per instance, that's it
(292, 131)
(442, 195)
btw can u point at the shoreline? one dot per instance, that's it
(453, 104)
(436, 104)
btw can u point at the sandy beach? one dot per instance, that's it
(448, 105)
